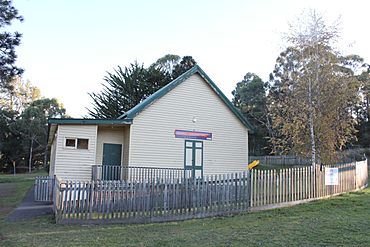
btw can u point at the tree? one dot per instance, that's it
(167, 63)
(32, 125)
(313, 93)
(124, 89)
(10, 151)
(8, 43)
(24, 136)
(128, 86)
(21, 95)
(23, 124)
(250, 98)
(363, 112)
(186, 63)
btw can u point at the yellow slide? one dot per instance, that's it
(253, 164)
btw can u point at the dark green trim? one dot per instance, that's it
(227, 101)
(88, 121)
(163, 91)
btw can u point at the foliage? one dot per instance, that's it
(249, 96)
(8, 43)
(128, 86)
(313, 94)
(167, 63)
(185, 64)
(21, 95)
(363, 110)
(23, 126)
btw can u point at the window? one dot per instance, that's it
(193, 160)
(70, 142)
(82, 143)
(77, 143)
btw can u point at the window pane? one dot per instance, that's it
(198, 157)
(82, 143)
(199, 144)
(198, 173)
(189, 157)
(70, 142)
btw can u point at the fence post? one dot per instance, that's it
(250, 181)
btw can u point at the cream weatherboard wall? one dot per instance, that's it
(126, 145)
(52, 156)
(152, 140)
(71, 163)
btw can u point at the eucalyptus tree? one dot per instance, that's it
(23, 123)
(313, 93)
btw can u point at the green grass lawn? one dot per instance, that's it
(13, 188)
(340, 221)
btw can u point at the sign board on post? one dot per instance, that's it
(331, 176)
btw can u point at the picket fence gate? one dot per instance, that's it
(44, 188)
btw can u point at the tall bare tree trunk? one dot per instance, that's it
(14, 170)
(317, 75)
(311, 83)
(46, 156)
(311, 125)
(30, 160)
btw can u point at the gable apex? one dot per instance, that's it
(164, 90)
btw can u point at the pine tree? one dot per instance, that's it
(126, 87)
(8, 42)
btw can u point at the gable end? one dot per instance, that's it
(161, 92)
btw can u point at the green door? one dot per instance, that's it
(193, 159)
(112, 154)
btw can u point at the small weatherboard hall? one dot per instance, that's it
(188, 124)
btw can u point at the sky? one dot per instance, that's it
(69, 46)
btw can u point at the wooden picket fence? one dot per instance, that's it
(165, 200)
(362, 174)
(270, 187)
(44, 188)
(281, 160)
(123, 201)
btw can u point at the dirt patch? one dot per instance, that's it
(7, 189)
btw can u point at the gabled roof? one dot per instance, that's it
(163, 91)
